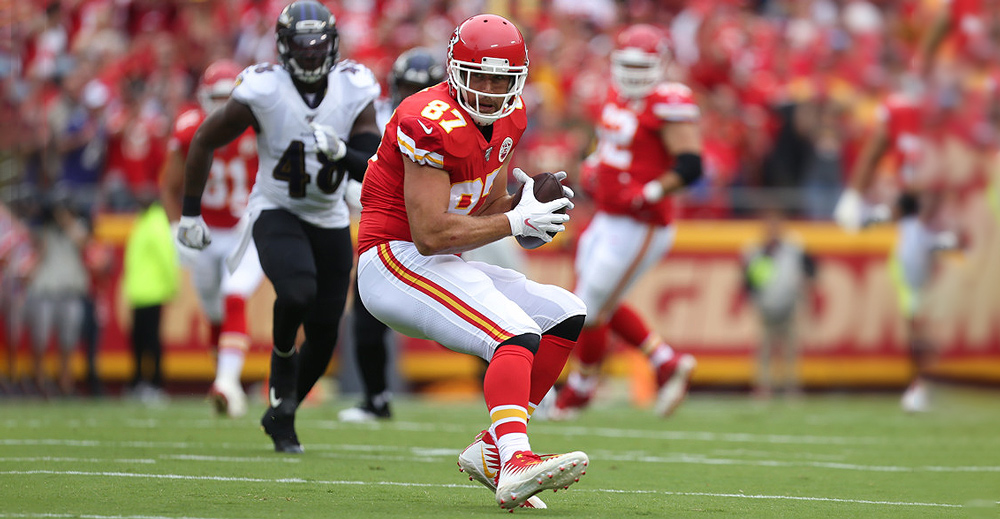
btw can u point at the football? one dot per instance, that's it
(547, 188)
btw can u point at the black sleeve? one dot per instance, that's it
(360, 148)
(809, 266)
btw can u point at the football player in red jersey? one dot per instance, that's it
(436, 188)
(902, 133)
(222, 293)
(649, 147)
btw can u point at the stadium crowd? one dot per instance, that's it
(788, 91)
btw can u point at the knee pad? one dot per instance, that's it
(569, 329)
(528, 341)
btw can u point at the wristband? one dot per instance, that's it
(688, 167)
(191, 205)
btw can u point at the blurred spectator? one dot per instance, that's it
(137, 131)
(766, 63)
(150, 279)
(778, 276)
(56, 291)
(17, 263)
(822, 176)
(80, 139)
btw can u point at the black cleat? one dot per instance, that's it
(281, 429)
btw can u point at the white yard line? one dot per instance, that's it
(422, 454)
(433, 485)
(700, 459)
(77, 460)
(229, 459)
(561, 429)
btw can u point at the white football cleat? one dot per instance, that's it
(526, 474)
(916, 398)
(228, 398)
(481, 461)
(672, 378)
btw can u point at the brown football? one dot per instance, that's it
(547, 188)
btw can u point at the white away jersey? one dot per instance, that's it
(292, 174)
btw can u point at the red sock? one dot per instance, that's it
(506, 389)
(628, 325)
(214, 331)
(548, 365)
(236, 316)
(592, 346)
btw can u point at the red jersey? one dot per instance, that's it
(904, 119)
(631, 151)
(969, 27)
(234, 169)
(431, 129)
(135, 146)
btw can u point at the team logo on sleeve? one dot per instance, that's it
(508, 143)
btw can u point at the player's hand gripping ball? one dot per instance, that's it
(547, 188)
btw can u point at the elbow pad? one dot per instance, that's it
(688, 167)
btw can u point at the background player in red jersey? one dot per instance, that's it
(222, 293)
(435, 188)
(902, 134)
(910, 121)
(649, 146)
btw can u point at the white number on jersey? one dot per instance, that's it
(618, 128)
(465, 195)
(218, 195)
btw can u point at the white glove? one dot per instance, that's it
(328, 142)
(849, 212)
(560, 176)
(880, 213)
(186, 255)
(193, 232)
(653, 191)
(533, 218)
(353, 194)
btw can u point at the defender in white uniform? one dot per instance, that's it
(296, 212)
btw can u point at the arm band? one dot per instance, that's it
(688, 167)
(191, 205)
(360, 148)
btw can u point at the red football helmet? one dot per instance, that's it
(491, 45)
(639, 61)
(217, 83)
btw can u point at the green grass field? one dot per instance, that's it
(719, 456)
